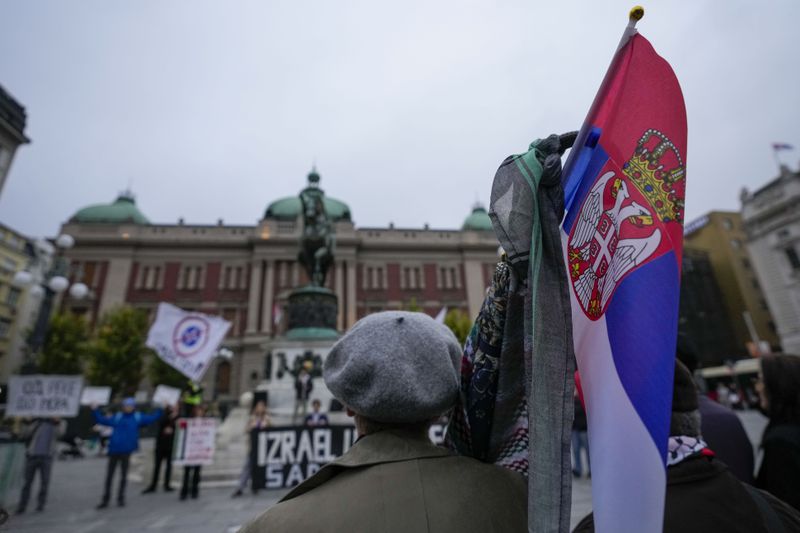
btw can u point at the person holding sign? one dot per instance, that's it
(396, 372)
(43, 434)
(163, 451)
(124, 441)
(315, 417)
(259, 419)
(191, 472)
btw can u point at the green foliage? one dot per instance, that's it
(160, 373)
(65, 345)
(413, 306)
(459, 323)
(116, 354)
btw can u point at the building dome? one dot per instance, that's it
(289, 208)
(122, 211)
(478, 220)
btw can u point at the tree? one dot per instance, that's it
(116, 354)
(459, 323)
(413, 306)
(160, 373)
(64, 347)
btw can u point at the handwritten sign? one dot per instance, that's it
(165, 395)
(194, 441)
(41, 395)
(95, 395)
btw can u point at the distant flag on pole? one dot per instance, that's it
(782, 146)
(185, 340)
(624, 186)
(441, 315)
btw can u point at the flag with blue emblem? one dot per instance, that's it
(186, 340)
(622, 238)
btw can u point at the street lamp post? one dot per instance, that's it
(54, 282)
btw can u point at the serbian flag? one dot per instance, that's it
(624, 186)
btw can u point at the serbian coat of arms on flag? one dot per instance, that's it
(623, 221)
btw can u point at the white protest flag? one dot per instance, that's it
(442, 314)
(187, 341)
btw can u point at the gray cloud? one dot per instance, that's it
(213, 109)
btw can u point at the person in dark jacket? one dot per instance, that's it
(42, 436)
(779, 395)
(163, 451)
(580, 439)
(702, 493)
(722, 430)
(124, 441)
(191, 473)
(396, 372)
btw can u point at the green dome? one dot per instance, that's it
(289, 208)
(122, 211)
(478, 221)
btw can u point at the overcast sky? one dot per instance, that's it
(212, 109)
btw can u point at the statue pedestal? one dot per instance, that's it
(312, 314)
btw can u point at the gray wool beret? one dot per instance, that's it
(395, 367)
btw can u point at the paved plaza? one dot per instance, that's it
(77, 486)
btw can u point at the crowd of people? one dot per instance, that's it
(397, 372)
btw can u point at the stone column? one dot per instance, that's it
(339, 290)
(115, 290)
(351, 294)
(476, 290)
(252, 301)
(266, 319)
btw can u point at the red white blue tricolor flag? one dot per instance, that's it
(622, 237)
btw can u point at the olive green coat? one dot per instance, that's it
(393, 482)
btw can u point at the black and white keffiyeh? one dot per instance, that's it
(682, 446)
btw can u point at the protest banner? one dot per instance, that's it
(186, 341)
(194, 441)
(283, 457)
(96, 396)
(40, 395)
(165, 395)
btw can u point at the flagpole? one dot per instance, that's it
(585, 139)
(777, 159)
(634, 15)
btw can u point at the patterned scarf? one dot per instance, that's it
(682, 447)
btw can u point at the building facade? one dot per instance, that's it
(19, 305)
(771, 217)
(245, 273)
(703, 315)
(722, 236)
(12, 132)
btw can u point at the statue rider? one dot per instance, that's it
(316, 243)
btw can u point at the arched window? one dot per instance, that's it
(223, 384)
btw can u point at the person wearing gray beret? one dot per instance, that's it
(396, 372)
(395, 367)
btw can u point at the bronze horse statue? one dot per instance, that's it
(316, 242)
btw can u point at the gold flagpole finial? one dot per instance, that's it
(636, 13)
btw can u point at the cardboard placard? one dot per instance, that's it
(44, 395)
(96, 396)
(165, 395)
(195, 441)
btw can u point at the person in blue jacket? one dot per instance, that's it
(124, 441)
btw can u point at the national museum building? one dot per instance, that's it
(245, 274)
